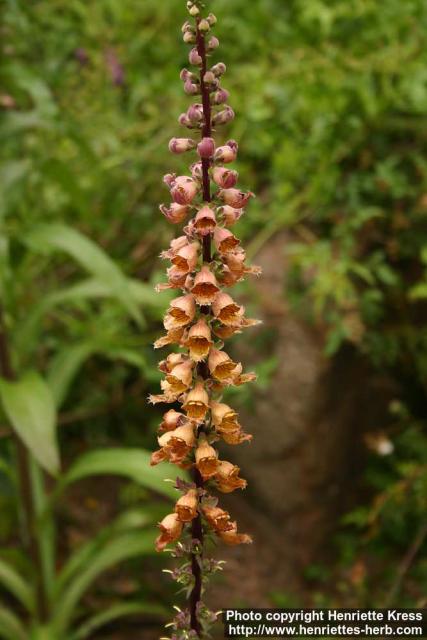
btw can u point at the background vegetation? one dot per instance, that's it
(331, 103)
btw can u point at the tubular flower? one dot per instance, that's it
(227, 477)
(186, 507)
(204, 260)
(180, 313)
(217, 518)
(206, 460)
(199, 340)
(196, 404)
(231, 537)
(170, 530)
(205, 221)
(205, 286)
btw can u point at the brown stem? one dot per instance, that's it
(24, 481)
(196, 525)
(406, 563)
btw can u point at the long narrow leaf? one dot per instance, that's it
(130, 463)
(10, 626)
(13, 582)
(127, 521)
(65, 366)
(30, 408)
(114, 613)
(124, 547)
(89, 255)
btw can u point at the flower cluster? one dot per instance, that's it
(205, 260)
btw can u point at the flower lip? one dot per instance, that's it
(170, 530)
(224, 178)
(218, 519)
(186, 506)
(199, 340)
(196, 403)
(175, 213)
(205, 286)
(221, 366)
(206, 459)
(230, 215)
(232, 538)
(171, 420)
(205, 221)
(226, 310)
(180, 377)
(180, 313)
(186, 258)
(227, 477)
(235, 198)
(184, 190)
(225, 241)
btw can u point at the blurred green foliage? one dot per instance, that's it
(331, 104)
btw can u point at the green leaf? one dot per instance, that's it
(89, 255)
(124, 547)
(130, 463)
(16, 585)
(64, 368)
(418, 291)
(30, 408)
(10, 626)
(114, 613)
(127, 521)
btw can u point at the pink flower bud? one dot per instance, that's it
(206, 148)
(224, 116)
(185, 74)
(187, 26)
(190, 88)
(213, 43)
(197, 171)
(176, 213)
(220, 96)
(234, 197)
(204, 26)
(226, 154)
(192, 8)
(194, 58)
(181, 145)
(195, 113)
(229, 215)
(211, 19)
(219, 69)
(185, 121)
(224, 178)
(169, 179)
(184, 190)
(189, 38)
(209, 78)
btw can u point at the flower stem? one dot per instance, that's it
(196, 526)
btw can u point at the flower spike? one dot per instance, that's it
(203, 261)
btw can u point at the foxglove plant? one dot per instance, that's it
(205, 260)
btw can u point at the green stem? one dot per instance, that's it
(25, 487)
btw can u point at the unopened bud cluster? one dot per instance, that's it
(203, 262)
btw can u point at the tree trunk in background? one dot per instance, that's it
(305, 461)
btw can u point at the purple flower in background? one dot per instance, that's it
(116, 69)
(81, 56)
